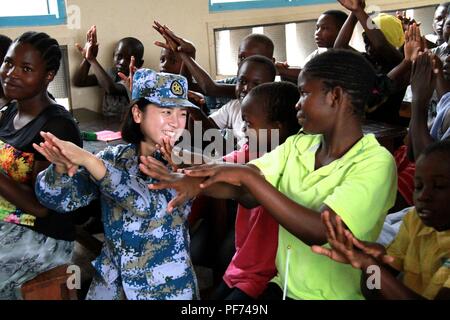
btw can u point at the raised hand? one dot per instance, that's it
(414, 43)
(90, 49)
(54, 155)
(353, 5)
(132, 70)
(173, 42)
(186, 187)
(423, 78)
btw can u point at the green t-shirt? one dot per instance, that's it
(360, 187)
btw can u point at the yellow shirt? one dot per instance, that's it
(360, 187)
(423, 255)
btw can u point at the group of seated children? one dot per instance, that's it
(313, 191)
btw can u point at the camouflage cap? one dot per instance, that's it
(163, 89)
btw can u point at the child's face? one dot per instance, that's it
(256, 120)
(326, 31)
(169, 62)
(122, 58)
(313, 106)
(432, 190)
(158, 123)
(23, 73)
(249, 76)
(250, 48)
(439, 17)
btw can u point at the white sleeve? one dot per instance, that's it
(222, 117)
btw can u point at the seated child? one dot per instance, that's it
(253, 71)
(146, 249)
(421, 250)
(169, 62)
(268, 109)
(117, 96)
(327, 29)
(437, 39)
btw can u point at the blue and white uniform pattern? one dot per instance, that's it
(146, 249)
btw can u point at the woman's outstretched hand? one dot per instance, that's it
(229, 173)
(186, 187)
(50, 149)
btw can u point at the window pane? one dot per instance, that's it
(24, 8)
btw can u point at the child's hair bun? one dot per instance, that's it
(380, 92)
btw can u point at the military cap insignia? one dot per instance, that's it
(176, 88)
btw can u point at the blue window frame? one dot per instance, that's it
(20, 13)
(224, 5)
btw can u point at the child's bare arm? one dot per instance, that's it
(82, 78)
(381, 47)
(188, 187)
(207, 85)
(128, 80)
(104, 80)
(302, 222)
(345, 34)
(423, 80)
(100, 77)
(414, 44)
(345, 248)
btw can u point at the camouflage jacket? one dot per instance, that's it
(146, 249)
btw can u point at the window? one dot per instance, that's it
(293, 41)
(223, 5)
(60, 86)
(16, 13)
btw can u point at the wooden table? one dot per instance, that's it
(89, 120)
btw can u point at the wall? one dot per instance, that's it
(116, 19)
